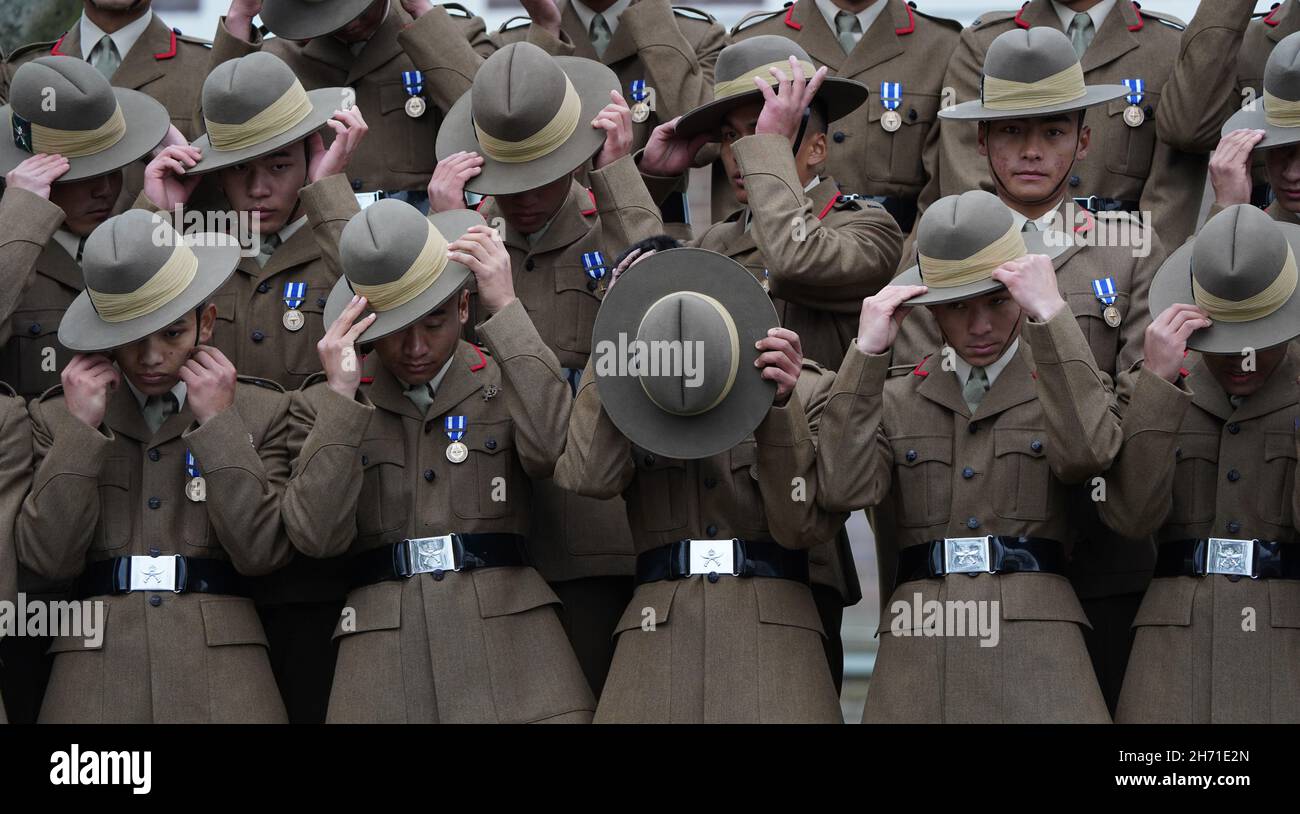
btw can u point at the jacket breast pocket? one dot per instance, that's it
(35, 357)
(1131, 153)
(1021, 475)
(1277, 482)
(300, 355)
(743, 463)
(225, 331)
(484, 483)
(1195, 478)
(114, 527)
(409, 144)
(896, 157)
(576, 304)
(923, 468)
(231, 621)
(1103, 340)
(382, 504)
(660, 491)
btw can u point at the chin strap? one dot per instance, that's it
(1050, 195)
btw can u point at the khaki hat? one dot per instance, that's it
(1241, 270)
(253, 106)
(529, 116)
(63, 105)
(308, 19)
(738, 65)
(397, 259)
(712, 310)
(960, 240)
(142, 276)
(1031, 72)
(1278, 113)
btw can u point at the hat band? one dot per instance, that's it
(745, 82)
(733, 338)
(424, 272)
(280, 116)
(542, 143)
(73, 143)
(165, 285)
(1059, 88)
(1281, 112)
(1252, 308)
(937, 273)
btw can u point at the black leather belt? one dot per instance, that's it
(436, 556)
(741, 558)
(964, 555)
(1096, 203)
(902, 209)
(178, 574)
(1260, 559)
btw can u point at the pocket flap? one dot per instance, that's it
(392, 95)
(918, 449)
(383, 451)
(231, 620)
(503, 591)
(1030, 442)
(1279, 444)
(1046, 597)
(1150, 98)
(115, 472)
(71, 644)
(1284, 603)
(1168, 602)
(491, 437)
(573, 277)
(1086, 304)
(657, 596)
(744, 455)
(371, 607)
(1202, 445)
(786, 602)
(925, 105)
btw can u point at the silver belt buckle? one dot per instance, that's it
(1231, 557)
(713, 557)
(153, 573)
(967, 555)
(428, 554)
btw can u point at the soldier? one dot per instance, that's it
(1130, 169)
(880, 151)
(434, 449)
(15, 478)
(158, 474)
(707, 455)
(130, 45)
(1208, 463)
(364, 45)
(976, 453)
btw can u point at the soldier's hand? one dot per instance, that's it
(1230, 167)
(417, 8)
(544, 14)
(633, 257)
(38, 173)
(350, 130)
(447, 186)
(173, 138)
(1031, 282)
(239, 19)
(780, 358)
(1165, 344)
(88, 380)
(783, 108)
(616, 120)
(165, 181)
(882, 314)
(481, 250)
(666, 154)
(210, 382)
(338, 348)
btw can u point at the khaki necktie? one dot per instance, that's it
(1030, 226)
(1081, 31)
(157, 409)
(269, 244)
(977, 384)
(846, 25)
(421, 395)
(600, 34)
(105, 57)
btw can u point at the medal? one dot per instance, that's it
(1105, 291)
(293, 296)
(1111, 315)
(640, 107)
(1133, 115)
(197, 488)
(594, 264)
(413, 82)
(764, 281)
(454, 425)
(891, 95)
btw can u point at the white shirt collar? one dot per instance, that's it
(963, 368)
(290, 229)
(124, 38)
(610, 14)
(436, 381)
(1097, 13)
(68, 241)
(866, 17)
(1044, 221)
(140, 398)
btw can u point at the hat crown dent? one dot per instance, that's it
(958, 226)
(742, 57)
(381, 242)
(1029, 54)
(125, 252)
(1282, 71)
(516, 92)
(63, 93)
(1238, 253)
(239, 89)
(687, 320)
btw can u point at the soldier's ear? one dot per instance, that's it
(981, 137)
(207, 314)
(462, 306)
(1085, 138)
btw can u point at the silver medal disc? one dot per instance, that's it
(640, 112)
(1133, 116)
(1111, 315)
(457, 452)
(891, 120)
(293, 319)
(415, 107)
(197, 489)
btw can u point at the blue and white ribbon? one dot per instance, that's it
(413, 81)
(594, 264)
(1105, 290)
(455, 426)
(637, 89)
(294, 293)
(891, 94)
(191, 466)
(1136, 88)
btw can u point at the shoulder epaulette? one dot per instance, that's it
(318, 377)
(948, 22)
(456, 10)
(44, 47)
(267, 383)
(191, 40)
(848, 201)
(56, 390)
(814, 365)
(694, 14)
(1159, 16)
(523, 22)
(753, 17)
(899, 370)
(990, 17)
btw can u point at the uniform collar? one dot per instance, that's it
(1044, 222)
(178, 391)
(963, 368)
(610, 14)
(436, 381)
(67, 241)
(1097, 13)
(865, 17)
(356, 47)
(124, 38)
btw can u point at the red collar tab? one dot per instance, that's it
(828, 207)
(911, 22)
(1020, 21)
(481, 203)
(917, 371)
(481, 363)
(55, 50)
(1088, 222)
(171, 48)
(592, 210)
(1138, 25)
(789, 18)
(1269, 19)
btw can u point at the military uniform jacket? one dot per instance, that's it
(1193, 466)
(399, 150)
(15, 478)
(482, 645)
(120, 491)
(1123, 163)
(1046, 423)
(764, 660)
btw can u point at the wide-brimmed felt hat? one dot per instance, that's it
(684, 304)
(253, 106)
(308, 19)
(528, 114)
(142, 276)
(60, 104)
(1240, 268)
(1278, 112)
(733, 84)
(1031, 72)
(960, 240)
(397, 259)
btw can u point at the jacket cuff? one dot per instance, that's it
(77, 449)
(39, 219)
(784, 426)
(768, 154)
(616, 186)
(329, 199)
(659, 186)
(1058, 340)
(223, 443)
(1159, 404)
(509, 333)
(862, 373)
(340, 420)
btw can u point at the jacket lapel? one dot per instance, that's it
(174, 426)
(1113, 40)
(879, 43)
(1278, 393)
(381, 48)
(1040, 12)
(330, 52)
(940, 386)
(386, 391)
(459, 383)
(1206, 392)
(621, 45)
(140, 66)
(569, 225)
(1015, 385)
(58, 265)
(300, 249)
(571, 24)
(817, 37)
(123, 415)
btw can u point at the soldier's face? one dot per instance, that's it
(268, 186)
(739, 123)
(88, 203)
(979, 329)
(1282, 164)
(1031, 157)
(416, 353)
(1229, 369)
(363, 26)
(154, 363)
(528, 211)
